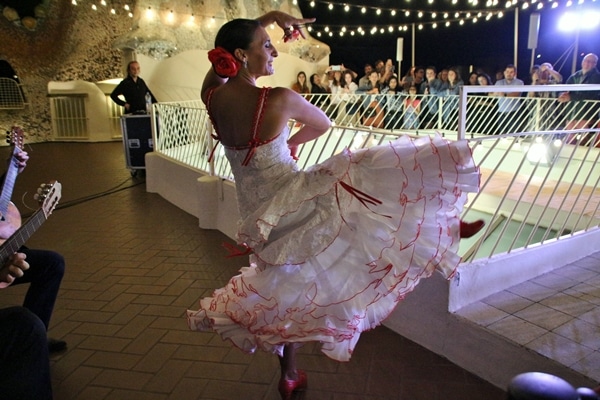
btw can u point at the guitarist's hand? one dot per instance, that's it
(13, 268)
(20, 160)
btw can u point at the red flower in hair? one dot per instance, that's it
(223, 62)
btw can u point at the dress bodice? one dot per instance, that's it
(267, 172)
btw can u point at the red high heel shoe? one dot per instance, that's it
(287, 386)
(468, 229)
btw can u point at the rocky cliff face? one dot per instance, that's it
(87, 41)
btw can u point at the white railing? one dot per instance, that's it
(69, 117)
(11, 95)
(538, 183)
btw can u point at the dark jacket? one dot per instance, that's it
(592, 77)
(134, 93)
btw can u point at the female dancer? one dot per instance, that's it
(336, 246)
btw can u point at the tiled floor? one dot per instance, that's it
(135, 263)
(555, 314)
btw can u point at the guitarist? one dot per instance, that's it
(44, 275)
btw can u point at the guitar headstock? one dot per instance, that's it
(48, 195)
(15, 137)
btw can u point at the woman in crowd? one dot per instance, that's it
(321, 98)
(335, 87)
(393, 104)
(450, 114)
(334, 247)
(482, 115)
(300, 85)
(373, 113)
(484, 79)
(412, 109)
(472, 79)
(349, 109)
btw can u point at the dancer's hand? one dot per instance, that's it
(292, 26)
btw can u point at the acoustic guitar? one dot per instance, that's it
(10, 218)
(48, 195)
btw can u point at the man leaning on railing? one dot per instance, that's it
(580, 114)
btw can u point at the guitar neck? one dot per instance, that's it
(8, 184)
(18, 239)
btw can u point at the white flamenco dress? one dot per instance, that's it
(337, 246)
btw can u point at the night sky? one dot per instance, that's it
(485, 44)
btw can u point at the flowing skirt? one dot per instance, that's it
(333, 256)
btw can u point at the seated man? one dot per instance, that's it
(24, 363)
(44, 276)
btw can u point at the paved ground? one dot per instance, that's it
(135, 263)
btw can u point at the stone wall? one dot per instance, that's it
(70, 43)
(76, 42)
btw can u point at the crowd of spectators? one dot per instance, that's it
(413, 100)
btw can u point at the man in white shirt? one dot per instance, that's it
(509, 118)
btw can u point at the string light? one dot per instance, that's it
(426, 17)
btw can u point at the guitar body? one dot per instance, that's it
(47, 195)
(10, 218)
(10, 222)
